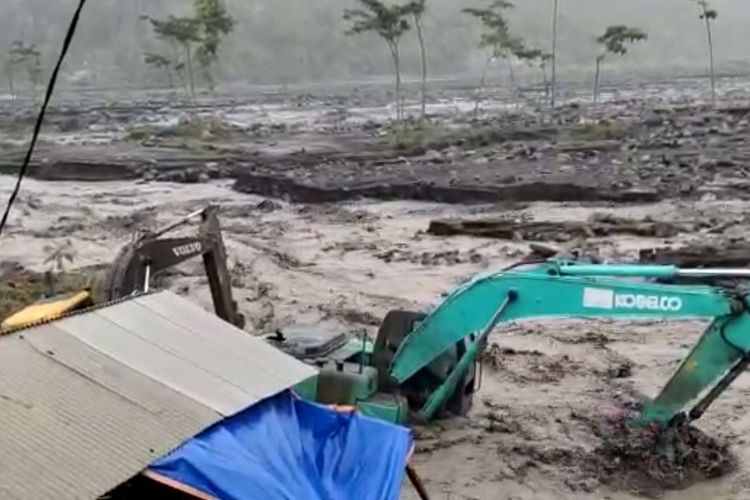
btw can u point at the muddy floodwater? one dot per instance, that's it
(329, 216)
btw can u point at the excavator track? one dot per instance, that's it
(115, 283)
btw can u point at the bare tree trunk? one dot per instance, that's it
(711, 59)
(397, 68)
(596, 79)
(189, 62)
(553, 90)
(482, 83)
(512, 78)
(423, 54)
(11, 83)
(170, 79)
(179, 69)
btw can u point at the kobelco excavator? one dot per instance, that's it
(559, 288)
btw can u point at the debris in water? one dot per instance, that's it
(649, 460)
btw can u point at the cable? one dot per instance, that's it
(40, 118)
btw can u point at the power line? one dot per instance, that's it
(40, 118)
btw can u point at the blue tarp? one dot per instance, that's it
(288, 448)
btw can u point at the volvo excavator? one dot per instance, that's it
(423, 365)
(141, 261)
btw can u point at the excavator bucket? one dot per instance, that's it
(48, 310)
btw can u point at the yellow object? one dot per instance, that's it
(47, 310)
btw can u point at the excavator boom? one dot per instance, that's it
(150, 254)
(569, 289)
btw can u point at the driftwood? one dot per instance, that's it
(598, 226)
(732, 255)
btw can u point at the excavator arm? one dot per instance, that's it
(570, 289)
(150, 254)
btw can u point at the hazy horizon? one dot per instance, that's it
(301, 40)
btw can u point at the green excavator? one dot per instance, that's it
(561, 288)
(425, 364)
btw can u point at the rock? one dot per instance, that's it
(70, 124)
(268, 206)
(567, 169)
(191, 176)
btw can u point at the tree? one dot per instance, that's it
(163, 63)
(553, 89)
(708, 14)
(180, 33)
(58, 255)
(614, 41)
(192, 38)
(497, 37)
(538, 59)
(11, 62)
(22, 55)
(417, 9)
(389, 23)
(215, 23)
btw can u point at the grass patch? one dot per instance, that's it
(197, 128)
(20, 287)
(141, 133)
(416, 137)
(600, 131)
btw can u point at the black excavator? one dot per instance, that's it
(138, 263)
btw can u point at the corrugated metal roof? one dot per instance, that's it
(88, 401)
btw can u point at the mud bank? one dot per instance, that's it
(329, 190)
(650, 461)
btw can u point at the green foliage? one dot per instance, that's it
(416, 7)
(161, 62)
(179, 33)
(615, 39)
(387, 21)
(415, 138)
(534, 57)
(200, 35)
(496, 33)
(215, 23)
(390, 23)
(707, 12)
(182, 30)
(58, 255)
(21, 287)
(157, 60)
(600, 131)
(193, 128)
